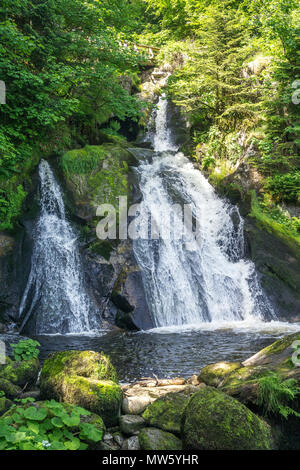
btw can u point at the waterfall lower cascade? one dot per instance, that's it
(208, 279)
(55, 295)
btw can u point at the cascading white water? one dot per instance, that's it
(207, 279)
(55, 294)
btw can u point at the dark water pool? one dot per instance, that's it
(137, 355)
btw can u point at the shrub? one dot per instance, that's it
(25, 350)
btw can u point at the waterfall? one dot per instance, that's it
(55, 298)
(207, 279)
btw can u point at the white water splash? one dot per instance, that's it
(163, 137)
(209, 279)
(55, 294)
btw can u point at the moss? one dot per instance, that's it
(166, 412)
(5, 404)
(97, 174)
(10, 390)
(84, 378)
(155, 439)
(213, 420)
(20, 373)
(214, 374)
(265, 222)
(84, 363)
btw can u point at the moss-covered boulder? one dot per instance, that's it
(20, 373)
(214, 374)
(166, 412)
(5, 404)
(10, 390)
(213, 420)
(155, 439)
(84, 378)
(243, 382)
(83, 363)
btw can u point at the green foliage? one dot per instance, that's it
(25, 350)
(47, 426)
(285, 187)
(276, 395)
(63, 65)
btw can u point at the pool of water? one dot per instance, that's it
(170, 352)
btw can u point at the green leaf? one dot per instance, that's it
(35, 414)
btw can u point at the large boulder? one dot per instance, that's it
(131, 424)
(20, 373)
(166, 412)
(155, 439)
(84, 378)
(9, 389)
(5, 404)
(213, 420)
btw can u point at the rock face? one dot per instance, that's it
(83, 378)
(155, 439)
(166, 412)
(213, 420)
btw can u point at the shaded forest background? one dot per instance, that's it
(236, 76)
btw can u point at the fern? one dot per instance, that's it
(275, 395)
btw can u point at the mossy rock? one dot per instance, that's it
(84, 378)
(214, 374)
(5, 404)
(155, 439)
(90, 364)
(166, 412)
(213, 420)
(9, 389)
(20, 373)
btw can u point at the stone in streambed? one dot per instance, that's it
(130, 424)
(214, 374)
(132, 443)
(155, 439)
(213, 420)
(166, 412)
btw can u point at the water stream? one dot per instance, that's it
(55, 299)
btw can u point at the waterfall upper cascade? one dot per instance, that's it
(55, 295)
(209, 279)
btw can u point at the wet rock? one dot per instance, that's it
(155, 439)
(213, 420)
(31, 394)
(130, 424)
